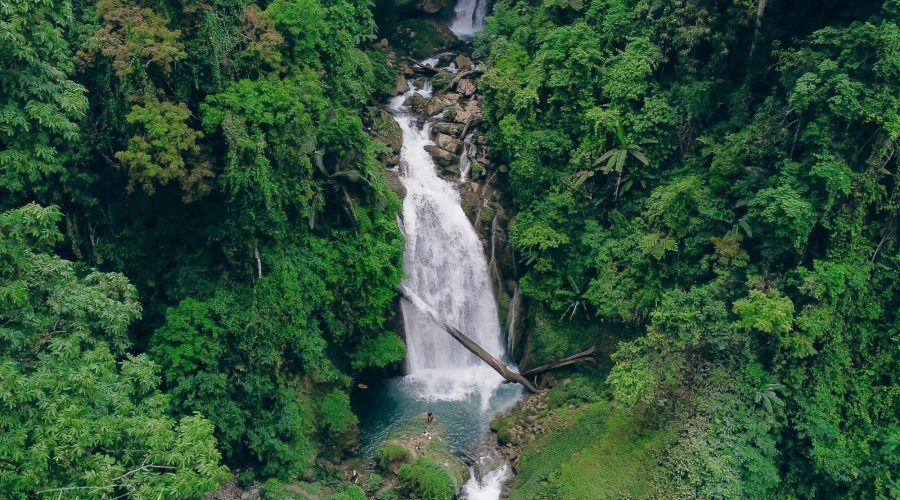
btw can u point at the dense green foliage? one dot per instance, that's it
(75, 421)
(232, 243)
(199, 248)
(720, 181)
(424, 479)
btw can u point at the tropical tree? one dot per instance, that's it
(615, 159)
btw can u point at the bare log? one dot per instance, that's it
(427, 69)
(468, 343)
(586, 356)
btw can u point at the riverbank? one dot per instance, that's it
(558, 442)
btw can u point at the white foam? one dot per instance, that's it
(488, 487)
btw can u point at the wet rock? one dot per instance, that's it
(394, 182)
(466, 87)
(448, 128)
(417, 103)
(468, 111)
(400, 86)
(447, 142)
(441, 156)
(435, 107)
(421, 38)
(463, 62)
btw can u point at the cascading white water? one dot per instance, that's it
(465, 159)
(446, 268)
(468, 17)
(488, 487)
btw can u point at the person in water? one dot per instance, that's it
(430, 417)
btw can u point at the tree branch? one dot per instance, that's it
(586, 356)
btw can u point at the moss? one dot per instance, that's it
(276, 490)
(601, 455)
(427, 480)
(577, 390)
(441, 79)
(450, 113)
(389, 456)
(386, 131)
(487, 213)
(502, 426)
(373, 483)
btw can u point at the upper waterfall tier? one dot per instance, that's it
(468, 17)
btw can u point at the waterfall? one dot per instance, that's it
(465, 159)
(468, 17)
(514, 305)
(445, 266)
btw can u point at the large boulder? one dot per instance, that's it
(386, 130)
(463, 62)
(442, 157)
(401, 86)
(466, 87)
(468, 111)
(447, 142)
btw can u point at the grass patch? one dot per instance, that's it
(601, 455)
(391, 455)
(425, 479)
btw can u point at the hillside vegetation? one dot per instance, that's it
(716, 184)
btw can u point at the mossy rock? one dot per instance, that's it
(421, 38)
(386, 130)
(425, 479)
(421, 443)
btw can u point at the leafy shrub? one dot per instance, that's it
(450, 113)
(427, 480)
(246, 478)
(374, 483)
(387, 495)
(441, 80)
(335, 414)
(579, 390)
(378, 352)
(353, 492)
(391, 454)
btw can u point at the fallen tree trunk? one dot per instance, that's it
(427, 69)
(468, 343)
(586, 356)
